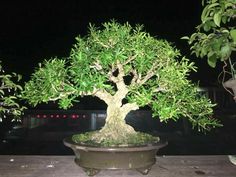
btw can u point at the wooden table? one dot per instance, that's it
(166, 166)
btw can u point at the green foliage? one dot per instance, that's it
(9, 95)
(49, 82)
(215, 37)
(118, 59)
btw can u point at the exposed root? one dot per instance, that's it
(118, 134)
(123, 137)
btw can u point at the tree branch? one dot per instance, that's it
(130, 59)
(119, 79)
(146, 77)
(61, 95)
(112, 78)
(149, 74)
(122, 89)
(126, 108)
(121, 73)
(96, 65)
(121, 86)
(103, 95)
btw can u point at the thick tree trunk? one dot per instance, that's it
(115, 128)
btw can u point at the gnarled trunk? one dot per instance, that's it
(115, 128)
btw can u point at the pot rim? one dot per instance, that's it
(151, 146)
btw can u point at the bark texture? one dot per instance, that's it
(115, 128)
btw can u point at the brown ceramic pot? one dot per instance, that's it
(93, 159)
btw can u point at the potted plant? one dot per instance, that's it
(10, 107)
(215, 39)
(128, 69)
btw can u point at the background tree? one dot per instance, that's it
(215, 38)
(127, 69)
(9, 98)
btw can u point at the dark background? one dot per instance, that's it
(39, 29)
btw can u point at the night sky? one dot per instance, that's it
(35, 30)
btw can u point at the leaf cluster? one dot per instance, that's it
(215, 37)
(50, 82)
(9, 95)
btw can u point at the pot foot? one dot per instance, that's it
(144, 171)
(91, 171)
(232, 159)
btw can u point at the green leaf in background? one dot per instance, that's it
(206, 11)
(185, 37)
(225, 52)
(216, 34)
(207, 26)
(212, 60)
(233, 34)
(9, 95)
(216, 44)
(217, 18)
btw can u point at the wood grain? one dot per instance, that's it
(166, 166)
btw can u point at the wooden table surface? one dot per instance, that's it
(166, 166)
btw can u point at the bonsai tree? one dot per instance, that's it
(215, 38)
(126, 68)
(9, 89)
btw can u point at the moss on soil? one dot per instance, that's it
(137, 139)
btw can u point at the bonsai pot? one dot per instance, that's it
(93, 159)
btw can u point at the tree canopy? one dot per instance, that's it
(118, 59)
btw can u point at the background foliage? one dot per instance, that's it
(215, 37)
(9, 98)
